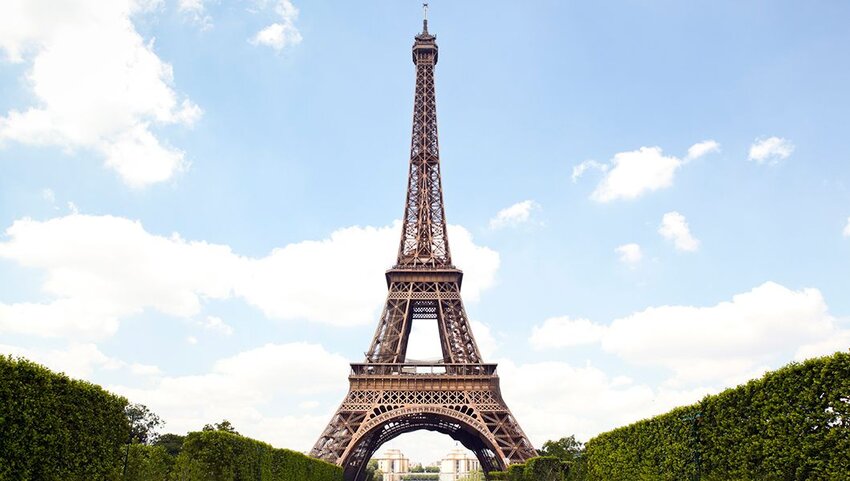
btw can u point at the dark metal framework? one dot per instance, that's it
(390, 395)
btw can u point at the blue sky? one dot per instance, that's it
(649, 198)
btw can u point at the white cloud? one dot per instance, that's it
(633, 174)
(630, 254)
(98, 85)
(487, 343)
(192, 340)
(191, 5)
(554, 399)
(48, 195)
(565, 332)
(675, 227)
(729, 340)
(250, 389)
(839, 341)
(294, 281)
(216, 324)
(424, 341)
(77, 360)
(702, 148)
(144, 369)
(583, 167)
(76, 318)
(514, 215)
(101, 269)
(727, 343)
(479, 263)
(847, 228)
(278, 36)
(770, 150)
(281, 34)
(197, 12)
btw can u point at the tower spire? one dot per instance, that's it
(425, 20)
(424, 242)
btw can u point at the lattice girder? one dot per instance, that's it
(389, 395)
(424, 240)
(412, 295)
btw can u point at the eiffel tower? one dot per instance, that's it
(391, 395)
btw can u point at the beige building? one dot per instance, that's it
(457, 465)
(393, 464)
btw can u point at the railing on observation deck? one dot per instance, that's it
(423, 369)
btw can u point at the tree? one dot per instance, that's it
(476, 475)
(571, 454)
(224, 426)
(565, 449)
(143, 423)
(373, 473)
(172, 443)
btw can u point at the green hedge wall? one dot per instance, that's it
(544, 468)
(516, 472)
(221, 456)
(53, 428)
(541, 468)
(792, 424)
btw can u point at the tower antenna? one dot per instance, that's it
(425, 20)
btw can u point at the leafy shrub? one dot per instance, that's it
(497, 475)
(516, 472)
(172, 443)
(570, 452)
(148, 463)
(792, 424)
(544, 468)
(222, 456)
(53, 428)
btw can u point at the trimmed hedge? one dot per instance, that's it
(53, 428)
(544, 468)
(541, 468)
(792, 424)
(516, 472)
(575, 470)
(222, 456)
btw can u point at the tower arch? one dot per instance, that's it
(467, 430)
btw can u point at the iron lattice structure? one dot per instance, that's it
(390, 395)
